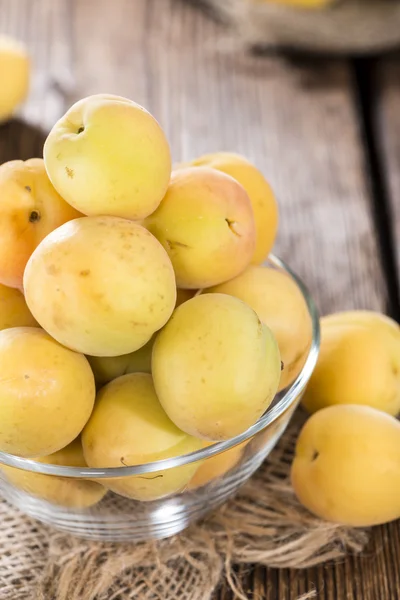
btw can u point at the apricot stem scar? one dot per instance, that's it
(231, 225)
(172, 244)
(34, 216)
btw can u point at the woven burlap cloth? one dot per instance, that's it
(263, 524)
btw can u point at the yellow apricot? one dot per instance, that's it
(359, 363)
(63, 491)
(100, 285)
(47, 393)
(346, 467)
(262, 198)
(13, 309)
(205, 222)
(128, 427)
(279, 304)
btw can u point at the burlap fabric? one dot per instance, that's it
(263, 524)
(347, 26)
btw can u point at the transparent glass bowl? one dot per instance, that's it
(115, 518)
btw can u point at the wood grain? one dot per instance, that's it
(388, 116)
(299, 128)
(298, 124)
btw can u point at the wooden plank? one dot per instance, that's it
(300, 128)
(388, 123)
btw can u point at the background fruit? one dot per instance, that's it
(359, 363)
(205, 222)
(107, 368)
(109, 156)
(262, 199)
(64, 491)
(100, 285)
(129, 427)
(30, 209)
(46, 393)
(216, 367)
(279, 304)
(347, 465)
(14, 76)
(216, 466)
(13, 309)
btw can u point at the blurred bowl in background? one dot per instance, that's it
(319, 26)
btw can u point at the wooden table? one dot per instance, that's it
(326, 133)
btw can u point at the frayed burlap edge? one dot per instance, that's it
(263, 524)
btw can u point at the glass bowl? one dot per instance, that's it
(223, 469)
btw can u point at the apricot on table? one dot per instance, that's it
(359, 363)
(346, 467)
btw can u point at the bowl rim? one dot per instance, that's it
(271, 414)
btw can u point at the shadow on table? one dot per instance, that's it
(20, 140)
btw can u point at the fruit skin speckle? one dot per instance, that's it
(42, 384)
(107, 155)
(30, 209)
(262, 198)
(231, 367)
(94, 296)
(206, 224)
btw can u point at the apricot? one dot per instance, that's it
(262, 198)
(108, 156)
(14, 76)
(216, 367)
(129, 427)
(347, 465)
(47, 393)
(100, 285)
(205, 222)
(279, 304)
(63, 491)
(107, 368)
(30, 209)
(216, 466)
(359, 363)
(13, 309)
